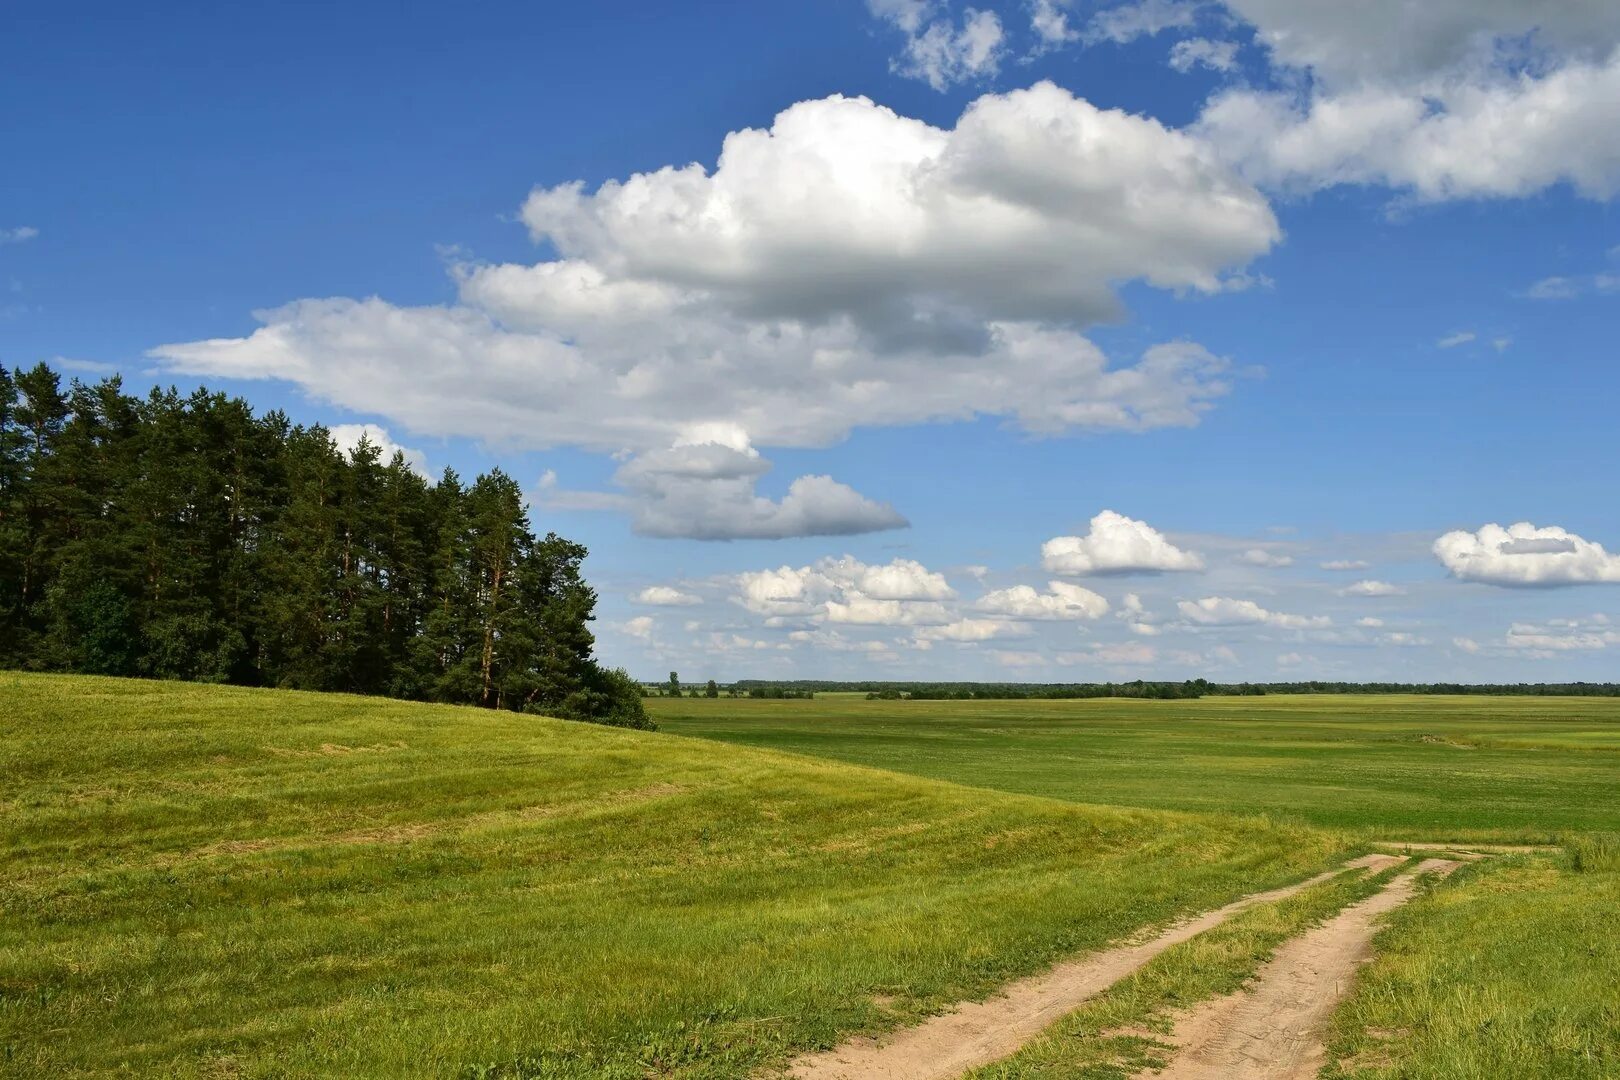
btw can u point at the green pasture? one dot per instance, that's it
(221, 882)
(1414, 767)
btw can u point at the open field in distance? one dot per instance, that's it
(1414, 767)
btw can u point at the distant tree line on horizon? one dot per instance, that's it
(1139, 688)
(182, 537)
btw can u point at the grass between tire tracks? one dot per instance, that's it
(1122, 1030)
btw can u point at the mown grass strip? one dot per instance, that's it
(210, 881)
(1123, 1030)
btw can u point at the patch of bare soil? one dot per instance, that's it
(1467, 851)
(1273, 1030)
(980, 1032)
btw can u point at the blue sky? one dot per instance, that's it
(1167, 302)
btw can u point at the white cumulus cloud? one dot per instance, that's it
(972, 630)
(901, 592)
(1116, 544)
(1522, 554)
(845, 267)
(704, 488)
(666, 596)
(1062, 600)
(348, 437)
(1370, 587)
(1227, 611)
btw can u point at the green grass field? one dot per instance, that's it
(219, 882)
(1441, 768)
(1507, 969)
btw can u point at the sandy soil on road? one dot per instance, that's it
(977, 1033)
(1273, 1030)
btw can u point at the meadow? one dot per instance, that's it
(204, 881)
(1409, 767)
(1505, 969)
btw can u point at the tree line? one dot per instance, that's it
(180, 536)
(1162, 690)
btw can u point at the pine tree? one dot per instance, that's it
(182, 537)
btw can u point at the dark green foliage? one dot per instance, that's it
(182, 537)
(1164, 691)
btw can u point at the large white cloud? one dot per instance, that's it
(1062, 600)
(847, 267)
(1116, 544)
(1399, 41)
(1500, 136)
(1522, 554)
(1448, 98)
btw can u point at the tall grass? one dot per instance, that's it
(1594, 852)
(1508, 969)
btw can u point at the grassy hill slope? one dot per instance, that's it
(213, 881)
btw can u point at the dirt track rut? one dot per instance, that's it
(977, 1033)
(1273, 1029)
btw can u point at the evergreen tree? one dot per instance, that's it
(183, 537)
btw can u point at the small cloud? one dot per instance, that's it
(88, 367)
(1225, 611)
(1125, 23)
(1051, 23)
(1202, 52)
(20, 234)
(639, 627)
(1501, 344)
(941, 54)
(1451, 341)
(666, 596)
(1262, 557)
(1372, 588)
(1553, 288)
(1369, 622)
(1344, 564)
(1063, 601)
